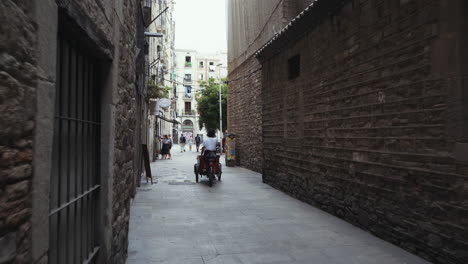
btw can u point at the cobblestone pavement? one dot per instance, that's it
(240, 220)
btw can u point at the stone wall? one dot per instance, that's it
(251, 25)
(245, 113)
(125, 132)
(371, 128)
(17, 96)
(27, 81)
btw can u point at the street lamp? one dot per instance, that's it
(220, 106)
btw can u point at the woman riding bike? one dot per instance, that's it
(210, 144)
(208, 162)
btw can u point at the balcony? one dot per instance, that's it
(188, 64)
(189, 113)
(188, 80)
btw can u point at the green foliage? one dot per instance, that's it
(157, 92)
(208, 104)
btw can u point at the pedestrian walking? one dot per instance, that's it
(182, 142)
(165, 147)
(197, 142)
(190, 143)
(170, 146)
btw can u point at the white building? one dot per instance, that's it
(193, 67)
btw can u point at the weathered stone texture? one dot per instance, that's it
(366, 131)
(124, 173)
(245, 113)
(110, 27)
(252, 24)
(17, 97)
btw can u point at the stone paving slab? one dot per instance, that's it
(241, 220)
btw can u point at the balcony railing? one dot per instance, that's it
(188, 80)
(188, 64)
(188, 113)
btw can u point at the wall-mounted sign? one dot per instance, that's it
(164, 102)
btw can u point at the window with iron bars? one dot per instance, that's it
(74, 183)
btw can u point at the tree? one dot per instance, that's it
(208, 104)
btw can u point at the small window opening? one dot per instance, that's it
(188, 107)
(294, 67)
(188, 61)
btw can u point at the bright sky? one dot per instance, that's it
(200, 25)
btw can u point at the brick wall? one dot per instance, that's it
(368, 130)
(247, 33)
(17, 96)
(245, 113)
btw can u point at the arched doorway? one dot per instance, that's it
(187, 128)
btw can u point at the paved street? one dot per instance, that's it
(240, 220)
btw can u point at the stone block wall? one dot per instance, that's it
(125, 135)
(249, 30)
(245, 113)
(17, 113)
(368, 131)
(27, 81)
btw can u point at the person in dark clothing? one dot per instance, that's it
(182, 142)
(197, 141)
(165, 147)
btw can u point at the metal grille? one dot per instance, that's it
(74, 185)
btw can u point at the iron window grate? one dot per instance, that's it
(74, 184)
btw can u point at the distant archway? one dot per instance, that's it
(187, 128)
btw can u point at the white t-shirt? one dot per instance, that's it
(210, 143)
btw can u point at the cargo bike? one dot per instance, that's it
(208, 165)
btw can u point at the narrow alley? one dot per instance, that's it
(346, 121)
(240, 220)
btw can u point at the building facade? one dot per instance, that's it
(72, 121)
(161, 74)
(364, 115)
(192, 68)
(250, 25)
